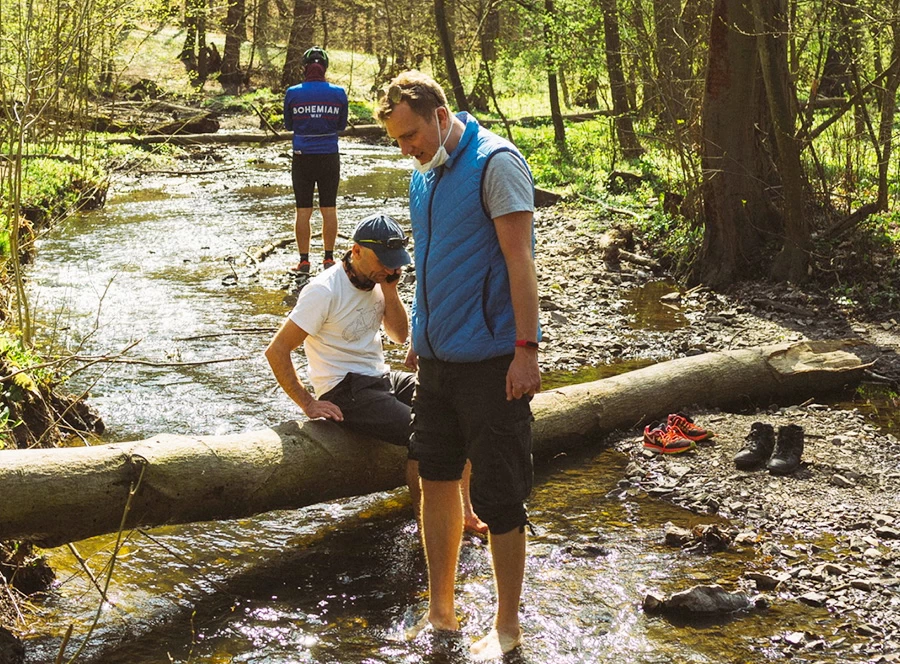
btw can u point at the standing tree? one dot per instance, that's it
(235, 34)
(559, 128)
(889, 105)
(300, 40)
(735, 210)
(443, 28)
(769, 20)
(628, 141)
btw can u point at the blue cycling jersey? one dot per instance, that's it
(315, 111)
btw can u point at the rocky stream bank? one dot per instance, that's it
(827, 535)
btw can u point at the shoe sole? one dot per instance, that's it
(662, 449)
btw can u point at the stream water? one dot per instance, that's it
(333, 582)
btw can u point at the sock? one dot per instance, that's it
(304, 257)
(329, 255)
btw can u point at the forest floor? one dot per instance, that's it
(829, 533)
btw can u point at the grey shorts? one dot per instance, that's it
(460, 411)
(377, 406)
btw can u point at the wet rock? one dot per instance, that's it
(843, 482)
(813, 599)
(765, 581)
(703, 600)
(868, 630)
(675, 536)
(11, 649)
(886, 532)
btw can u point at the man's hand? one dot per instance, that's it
(316, 409)
(412, 359)
(523, 376)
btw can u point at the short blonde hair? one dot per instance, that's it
(420, 91)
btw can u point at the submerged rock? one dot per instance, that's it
(705, 600)
(11, 649)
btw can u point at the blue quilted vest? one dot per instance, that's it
(463, 309)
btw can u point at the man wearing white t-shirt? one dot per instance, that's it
(338, 319)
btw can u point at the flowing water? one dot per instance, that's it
(161, 271)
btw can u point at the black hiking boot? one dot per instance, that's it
(788, 450)
(758, 448)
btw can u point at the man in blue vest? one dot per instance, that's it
(315, 111)
(475, 336)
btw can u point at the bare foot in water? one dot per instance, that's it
(424, 625)
(494, 645)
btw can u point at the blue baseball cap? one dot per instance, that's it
(383, 235)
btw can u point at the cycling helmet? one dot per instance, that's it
(316, 54)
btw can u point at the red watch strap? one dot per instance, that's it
(525, 343)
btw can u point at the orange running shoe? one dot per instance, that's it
(688, 427)
(663, 439)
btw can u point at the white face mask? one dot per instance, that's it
(440, 156)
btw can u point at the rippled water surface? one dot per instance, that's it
(334, 582)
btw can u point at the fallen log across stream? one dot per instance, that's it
(61, 495)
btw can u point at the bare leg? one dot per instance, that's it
(415, 489)
(442, 530)
(301, 229)
(329, 227)
(471, 522)
(508, 555)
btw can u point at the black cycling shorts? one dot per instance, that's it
(310, 170)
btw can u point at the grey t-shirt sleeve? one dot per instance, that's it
(507, 185)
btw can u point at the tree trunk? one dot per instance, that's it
(202, 61)
(443, 28)
(671, 77)
(736, 216)
(235, 34)
(770, 23)
(628, 141)
(65, 494)
(888, 110)
(188, 53)
(300, 39)
(559, 127)
(490, 32)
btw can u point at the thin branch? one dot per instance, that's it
(62, 361)
(150, 363)
(207, 172)
(87, 570)
(236, 332)
(132, 491)
(857, 98)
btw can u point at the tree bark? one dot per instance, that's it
(672, 76)
(235, 34)
(300, 39)
(559, 127)
(443, 28)
(736, 215)
(628, 141)
(66, 494)
(770, 23)
(888, 110)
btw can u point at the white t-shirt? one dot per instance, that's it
(343, 324)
